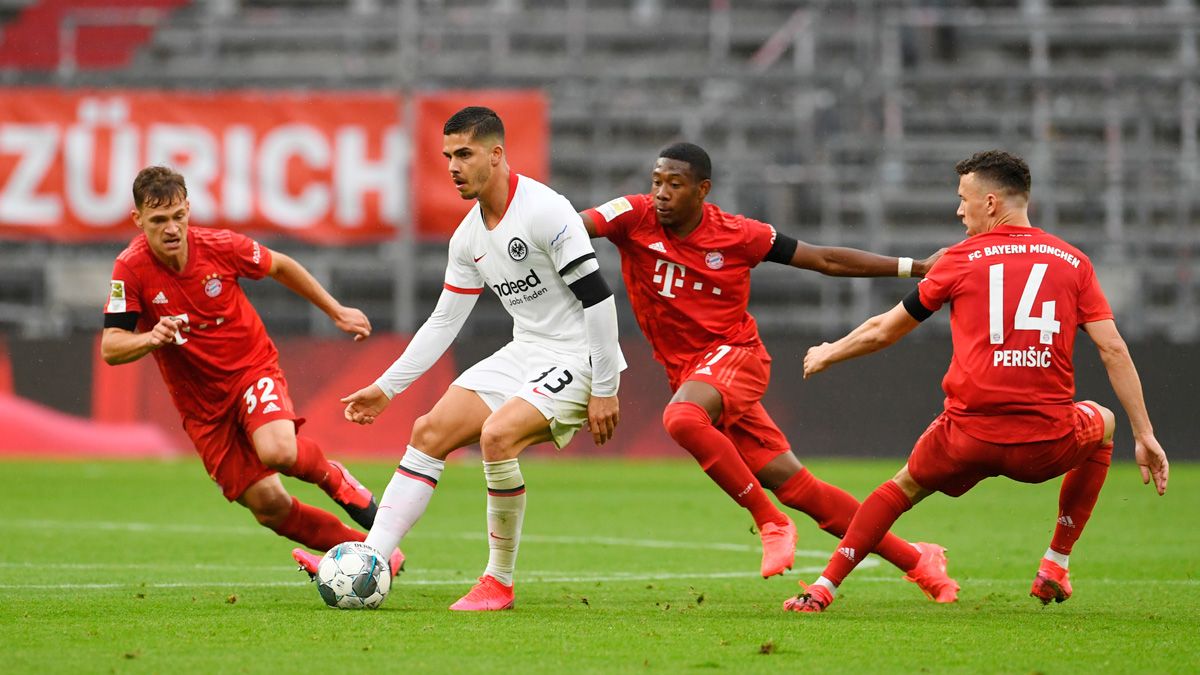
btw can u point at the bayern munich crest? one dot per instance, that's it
(517, 249)
(714, 259)
(212, 287)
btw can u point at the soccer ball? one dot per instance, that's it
(352, 576)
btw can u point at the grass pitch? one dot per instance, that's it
(630, 567)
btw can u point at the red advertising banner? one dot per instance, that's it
(329, 167)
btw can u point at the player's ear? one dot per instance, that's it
(704, 188)
(137, 218)
(497, 154)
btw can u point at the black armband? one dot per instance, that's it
(576, 263)
(912, 303)
(123, 320)
(782, 250)
(591, 289)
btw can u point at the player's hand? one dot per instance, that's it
(1152, 461)
(364, 405)
(604, 412)
(921, 267)
(354, 322)
(164, 332)
(816, 359)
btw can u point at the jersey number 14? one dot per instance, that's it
(1045, 324)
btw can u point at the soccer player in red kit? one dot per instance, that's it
(687, 267)
(1017, 295)
(175, 295)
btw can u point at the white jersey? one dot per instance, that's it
(521, 258)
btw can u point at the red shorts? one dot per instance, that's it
(948, 460)
(741, 377)
(224, 444)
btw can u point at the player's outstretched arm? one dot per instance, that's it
(431, 340)
(839, 261)
(293, 275)
(118, 345)
(364, 405)
(874, 334)
(1114, 353)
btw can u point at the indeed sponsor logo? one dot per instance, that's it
(508, 288)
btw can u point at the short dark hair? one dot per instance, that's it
(157, 186)
(694, 155)
(1004, 169)
(476, 121)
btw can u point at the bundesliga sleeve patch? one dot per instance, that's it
(116, 297)
(614, 208)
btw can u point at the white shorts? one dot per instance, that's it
(558, 386)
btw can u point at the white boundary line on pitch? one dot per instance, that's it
(546, 578)
(525, 538)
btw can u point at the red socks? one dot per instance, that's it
(872, 521)
(316, 529)
(312, 467)
(833, 508)
(1077, 497)
(690, 426)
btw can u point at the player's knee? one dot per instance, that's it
(679, 419)
(278, 455)
(1110, 420)
(428, 437)
(497, 442)
(779, 471)
(271, 509)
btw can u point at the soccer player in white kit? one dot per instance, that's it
(562, 368)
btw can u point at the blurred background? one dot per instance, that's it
(315, 126)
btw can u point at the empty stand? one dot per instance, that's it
(839, 122)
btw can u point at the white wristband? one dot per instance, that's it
(904, 267)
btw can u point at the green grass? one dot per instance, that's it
(632, 567)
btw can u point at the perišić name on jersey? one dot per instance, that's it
(1016, 249)
(505, 289)
(1022, 358)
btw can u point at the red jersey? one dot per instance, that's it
(1017, 295)
(221, 337)
(688, 294)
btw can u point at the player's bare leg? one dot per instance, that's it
(274, 508)
(690, 420)
(1076, 499)
(833, 508)
(455, 421)
(513, 427)
(279, 448)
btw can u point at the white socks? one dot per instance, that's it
(505, 513)
(1056, 557)
(827, 584)
(405, 499)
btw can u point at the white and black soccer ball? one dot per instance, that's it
(353, 576)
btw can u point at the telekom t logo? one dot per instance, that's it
(672, 278)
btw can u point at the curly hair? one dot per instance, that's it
(1005, 170)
